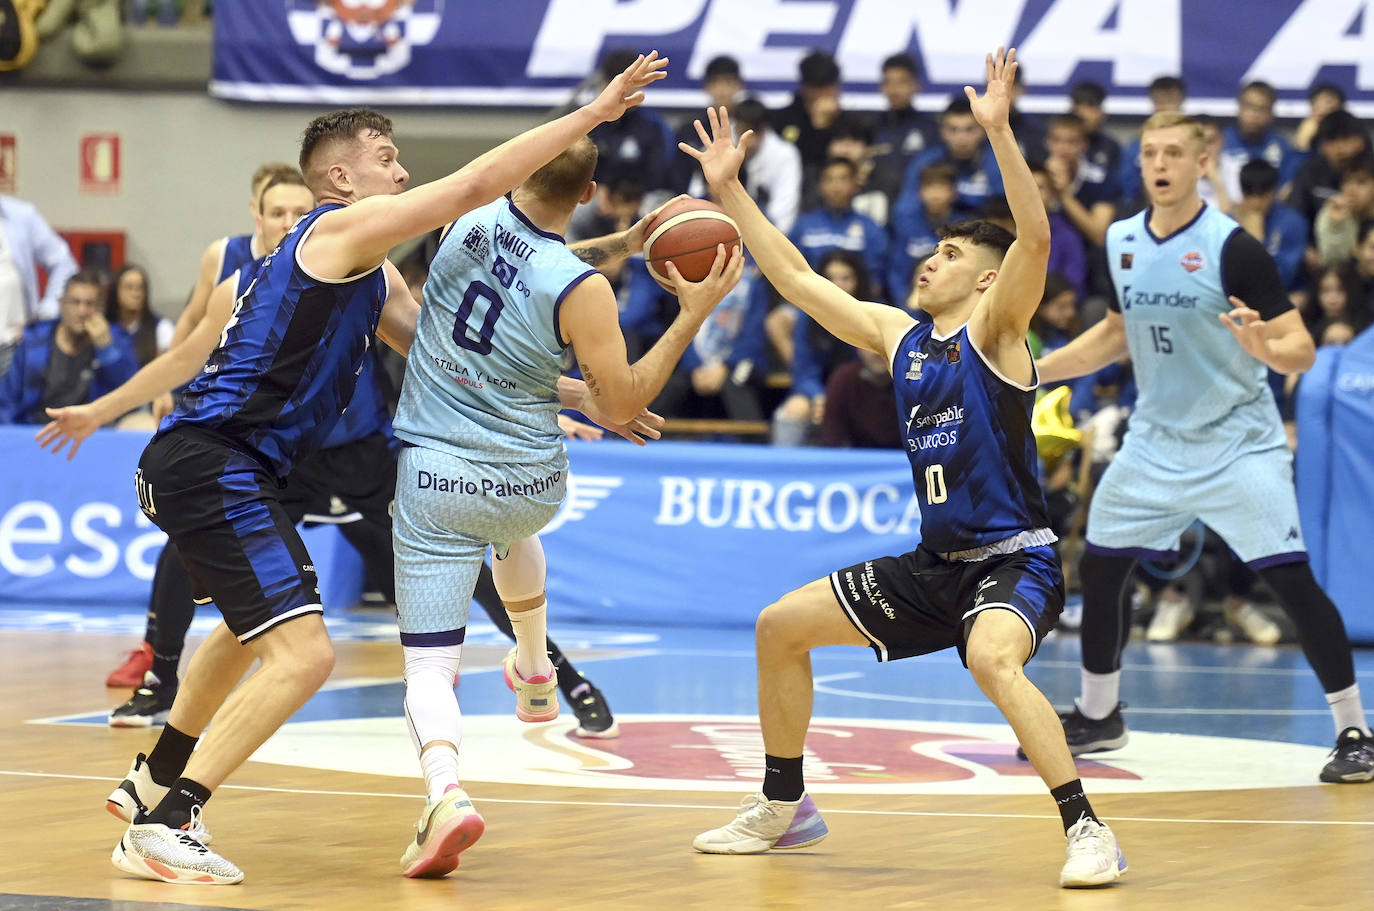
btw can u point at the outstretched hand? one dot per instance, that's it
(1248, 328)
(720, 156)
(994, 108)
(626, 90)
(698, 299)
(68, 425)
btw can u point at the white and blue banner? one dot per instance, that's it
(535, 52)
(672, 533)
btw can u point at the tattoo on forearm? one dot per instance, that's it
(589, 380)
(597, 254)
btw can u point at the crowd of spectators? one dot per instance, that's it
(863, 195)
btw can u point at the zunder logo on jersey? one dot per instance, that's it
(363, 39)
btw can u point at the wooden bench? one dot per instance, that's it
(713, 426)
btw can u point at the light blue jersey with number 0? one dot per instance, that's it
(481, 379)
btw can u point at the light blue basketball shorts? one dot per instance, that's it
(448, 511)
(1140, 508)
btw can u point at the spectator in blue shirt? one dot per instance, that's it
(636, 145)
(914, 230)
(835, 225)
(901, 132)
(1282, 231)
(71, 360)
(1087, 192)
(1253, 136)
(963, 145)
(1166, 94)
(816, 353)
(1086, 101)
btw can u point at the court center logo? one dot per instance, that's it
(724, 753)
(363, 39)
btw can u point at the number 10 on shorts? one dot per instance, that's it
(935, 485)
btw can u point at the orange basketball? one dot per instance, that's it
(687, 232)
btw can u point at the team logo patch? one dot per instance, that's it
(724, 753)
(913, 370)
(953, 352)
(1127, 259)
(1193, 261)
(363, 39)
(476, 244)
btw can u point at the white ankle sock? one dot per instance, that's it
(440, 764)
(1347, 710)
(1101, 693)
(531, 641)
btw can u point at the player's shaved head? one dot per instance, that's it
(563, 180)
(333, 135)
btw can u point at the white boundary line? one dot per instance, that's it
(684, 806)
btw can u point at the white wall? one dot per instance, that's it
(187, 160)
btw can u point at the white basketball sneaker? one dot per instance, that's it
(764, 824)
(156, 851)
(1094, 856)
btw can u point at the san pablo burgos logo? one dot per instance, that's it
(363, 39)
(585, 493)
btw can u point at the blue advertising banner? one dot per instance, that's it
(1335, 474)
(673, 533)
(535, 52)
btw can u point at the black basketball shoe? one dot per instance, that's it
(1088, 736)
(149, 705)
(1352, 760)
(593, 713)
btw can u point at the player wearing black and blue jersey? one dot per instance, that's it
(279, 373)
(984, 579)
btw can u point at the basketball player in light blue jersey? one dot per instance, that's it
(983, 580)
(484, 462)
(1200, 308)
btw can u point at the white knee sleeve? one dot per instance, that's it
(520, 576)
(431, 705)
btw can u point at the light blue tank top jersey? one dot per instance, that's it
(481, 379)
(1198, 387)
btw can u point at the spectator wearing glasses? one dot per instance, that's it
(70, 360)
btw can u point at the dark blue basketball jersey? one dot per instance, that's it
(968, 436)
(289, 357)
(366, 413)
(238, 252)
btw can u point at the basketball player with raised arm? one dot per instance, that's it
(278, 376)
(484, 462)
(1200, 308)
(984, 579)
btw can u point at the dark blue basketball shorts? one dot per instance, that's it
(918, 603)
(223, 510)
